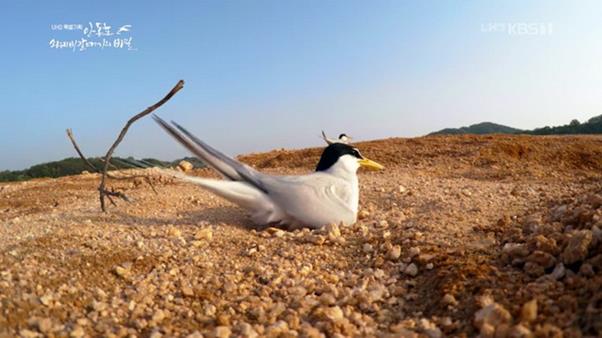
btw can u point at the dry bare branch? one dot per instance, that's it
(101, 187)
(79, 152)
(103, 191)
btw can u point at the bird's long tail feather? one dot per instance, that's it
(240, 193)
(226, 166)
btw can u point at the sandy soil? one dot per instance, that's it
(497, 236)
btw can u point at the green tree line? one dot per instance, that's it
(75, 166)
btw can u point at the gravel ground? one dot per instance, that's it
(459, 236)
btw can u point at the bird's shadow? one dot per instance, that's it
(231, 216)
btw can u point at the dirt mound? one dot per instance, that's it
(459, 236)
(552, 152)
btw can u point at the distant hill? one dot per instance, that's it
(592, 126)
(74, 166)
(479, 129)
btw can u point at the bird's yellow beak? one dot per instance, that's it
(369, 164)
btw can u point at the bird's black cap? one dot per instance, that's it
(331, 154)
(342, 135)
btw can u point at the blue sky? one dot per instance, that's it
(270, 74)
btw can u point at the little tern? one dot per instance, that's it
(328, 195)
(343, 138)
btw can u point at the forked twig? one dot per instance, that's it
(103, 191)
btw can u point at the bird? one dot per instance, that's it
(328, 195)
(343, 138)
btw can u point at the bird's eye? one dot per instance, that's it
(356, 153)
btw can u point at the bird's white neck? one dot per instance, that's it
(346, 168)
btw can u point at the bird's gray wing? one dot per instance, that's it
(228, 167)
(316, 199)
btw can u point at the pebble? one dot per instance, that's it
(534, 269)
(411, 270)
(222, 332)
(363, 214)
(394, 252)
(204, 234)
(185, 166)
(520, 331)
(429, 328)
(548, 330)
(25, 333)
(540, 242)
(449, 299)
(156, 334)
(309, 331)
(246, 330)
(121, 271)
(529, 311)
(158, 316)
(492, 314)
(586, 270)
(376, 292)
(198, 243)
(334, 313)
(315, 239)
(46, 299)
(542, 258)
(305, 270)
(277, 329)
(597, 233)
(327, 299)
(367, 248)
(413, 252)
(275, 232)
(577, 247)
(44, 325)
(559, 271)
(487, 331)
(77, 332)
(333, 231)
(297, 291)
(98, 306)
(210, 310)
(515, 250)
(174, 232)
(187, 291)
(402, 332)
